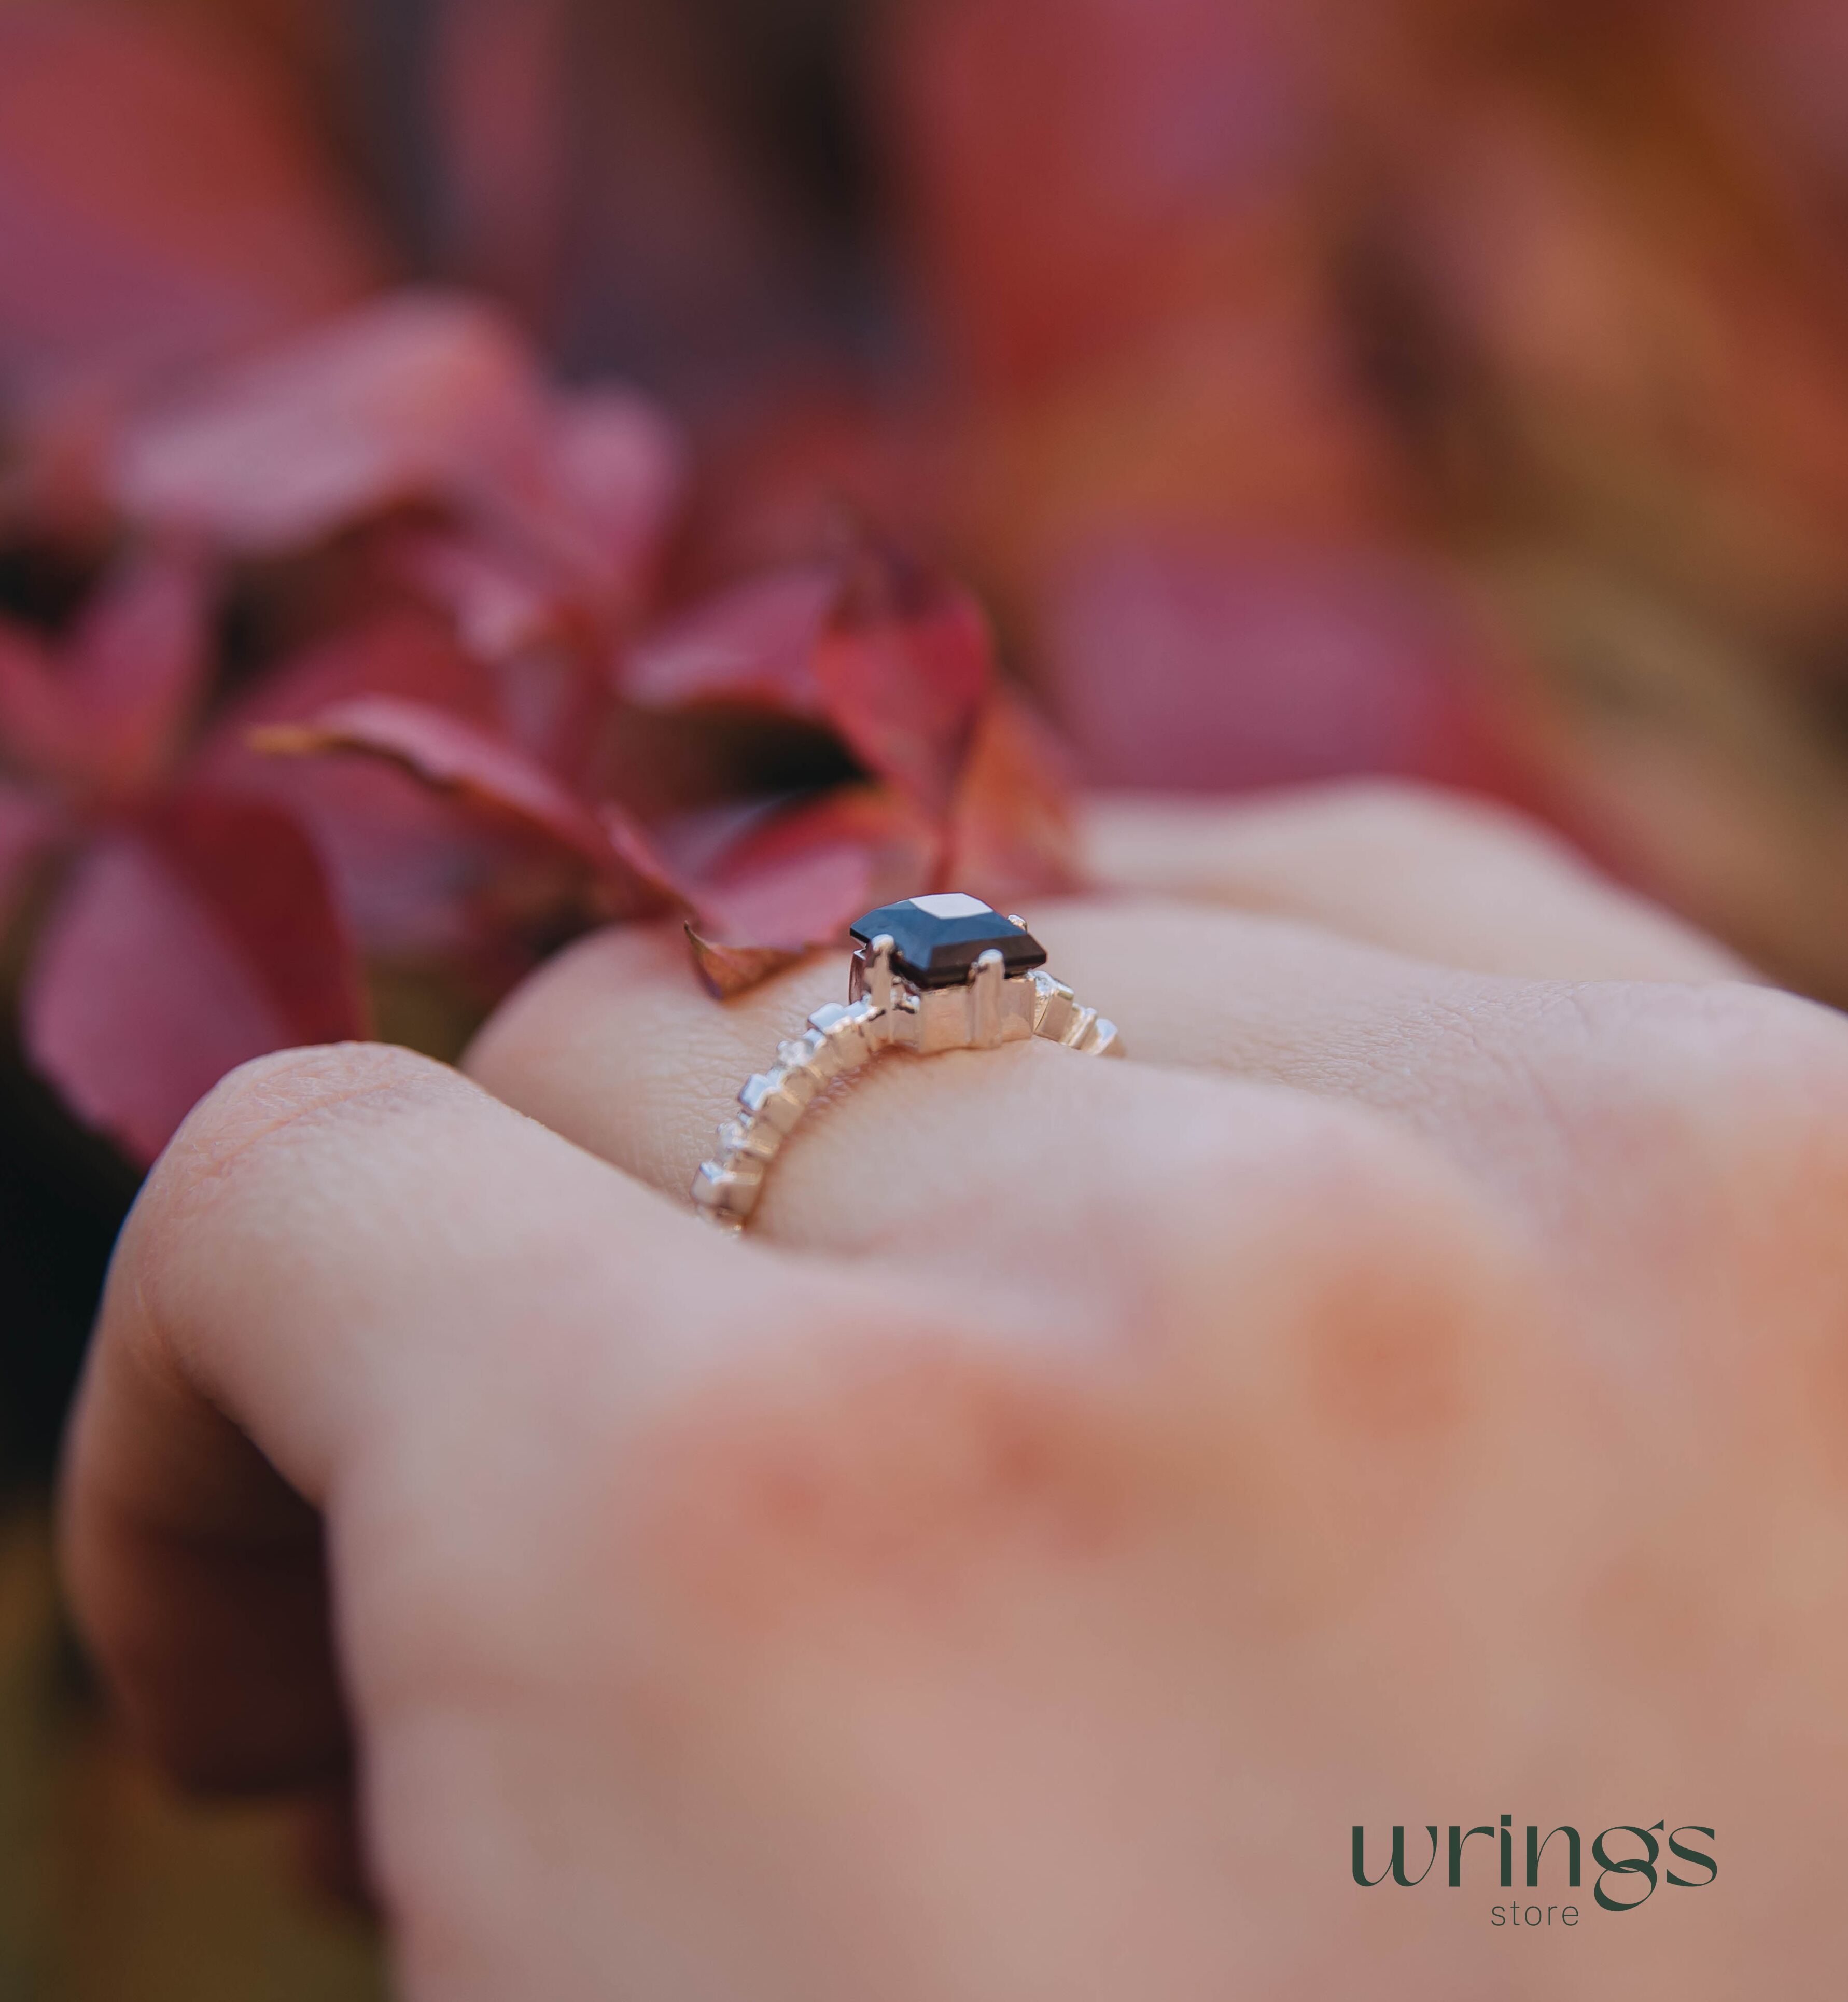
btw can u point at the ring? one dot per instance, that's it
(933, 973)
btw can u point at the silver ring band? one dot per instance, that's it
(933, 973)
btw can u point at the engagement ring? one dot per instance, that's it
(933, 973)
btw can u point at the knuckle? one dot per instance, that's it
(274, 1098)
(1332, 1295)
(1401, 813)
(1722, 1113)
(1783, 1069)
(1726, 1109)
(1734, 1060)
(1306, 1188)
(267, 1111)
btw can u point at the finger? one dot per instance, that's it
(333, 1255)
(1030, 1158)
(616, 1044)
(1553, 1097)
(1434, 875)
(1027, 1157)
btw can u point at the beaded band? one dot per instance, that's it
(933, 974)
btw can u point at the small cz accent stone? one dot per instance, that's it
(937, 940)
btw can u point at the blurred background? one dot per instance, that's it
(1450, 390)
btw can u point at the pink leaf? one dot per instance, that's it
(161, 203)
(179, 950)
(412, 397)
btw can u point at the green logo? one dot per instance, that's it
(1626, 1856)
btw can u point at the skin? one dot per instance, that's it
(1411, 1389)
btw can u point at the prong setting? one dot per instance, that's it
(986, 980)
(1002, 995)
(878, 972)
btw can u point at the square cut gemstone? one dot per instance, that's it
(937, 940)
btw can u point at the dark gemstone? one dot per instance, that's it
(936, 940)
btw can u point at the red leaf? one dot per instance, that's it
(795, 879)
(754, 644)
(800, 899)
(874, 820)
(893, 656)
(451, 756)
(405, 873)
(412, 397)
(729, 970)
(139, 1002)
(903, 666)
(263, 879)
(29, 826)
(409, 655)
(616, 469)
(179, 951)
(637, 851)
(501, 604)
(487, 773)
(1011, 833)
(572, 529)
(136, 665)
(109, 713)
(161, 202)
(37, 732)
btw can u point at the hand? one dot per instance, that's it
(1411, 1389)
